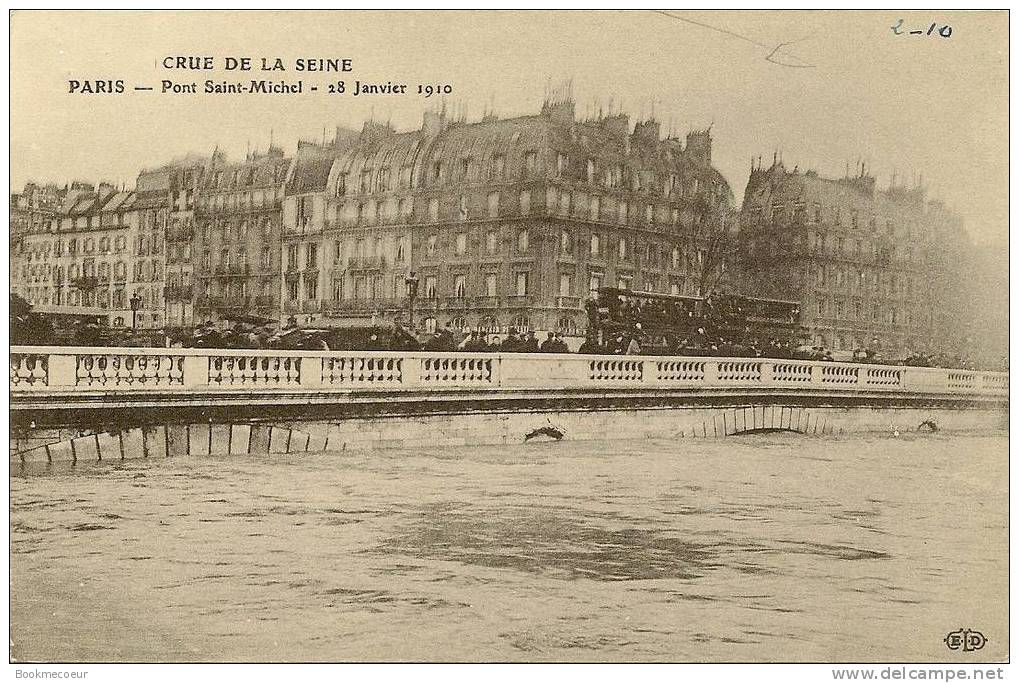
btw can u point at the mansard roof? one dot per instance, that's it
(608, 141)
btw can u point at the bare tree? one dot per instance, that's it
(715, 238)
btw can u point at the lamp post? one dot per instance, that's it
(136, 302)
(412, 291)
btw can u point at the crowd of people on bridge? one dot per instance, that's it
(720, 329)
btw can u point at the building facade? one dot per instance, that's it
(502, 223)
(237, 237)
(172, 190)
(100, 250)
(871, 268)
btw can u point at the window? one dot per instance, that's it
(401, 249)
(431, 287)
(460, 286)
(432, 241)
(595, 244)
(623, 282)
(590, 170)
(565, 284)
(622, 249)
(291, 257)
(311, 256)
(491, 286)
(266, 258)
(311, 288)
(493, 205)
(498, 165)
(522, 241)
(522, 323)
(676, 257)
(595, 208)
(461, 243)
(433, 209)
(491, 242)
(525, 202)
(531, 162)
(522, 284)
(623, 212)
(565, 243)
(462, 213)
(292, 290)
(430, 325)
(562, 162)
(438, 172)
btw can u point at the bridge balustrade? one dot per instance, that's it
(66, 369)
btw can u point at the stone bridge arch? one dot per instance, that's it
(767, 418)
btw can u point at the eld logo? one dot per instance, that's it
(965, 639)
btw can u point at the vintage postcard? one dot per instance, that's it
(518, 336)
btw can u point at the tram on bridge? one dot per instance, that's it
(720, 324)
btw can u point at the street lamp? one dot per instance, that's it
(412, 291)
(136, 302)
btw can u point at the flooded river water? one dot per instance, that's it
(763, 548)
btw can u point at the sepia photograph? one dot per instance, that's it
(521, 336)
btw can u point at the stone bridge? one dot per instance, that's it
(105, 403)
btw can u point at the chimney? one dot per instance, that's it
(698, 145)
(434, 123)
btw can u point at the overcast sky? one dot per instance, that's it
(847, 87)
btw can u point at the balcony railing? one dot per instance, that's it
(178, 292)
(366, 263)
(362, 306)
(486, 301)
(233, 269)
(567, 302)
(520, 300)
